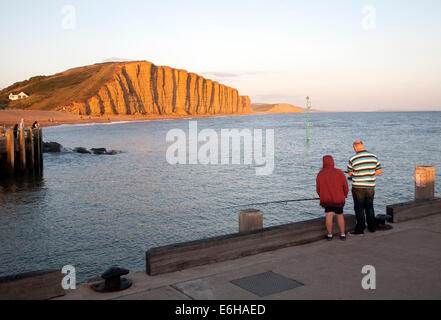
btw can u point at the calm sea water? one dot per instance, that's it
(95, 211)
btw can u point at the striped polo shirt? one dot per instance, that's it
(363, 165)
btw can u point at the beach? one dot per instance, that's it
(55, 118)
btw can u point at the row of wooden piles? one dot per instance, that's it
(21, 155)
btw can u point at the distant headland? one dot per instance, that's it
(276, 108)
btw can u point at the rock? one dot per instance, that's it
(99, 150)
(82, 150)
(51, 147)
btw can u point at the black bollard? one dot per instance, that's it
(113, 281)
(381, 219)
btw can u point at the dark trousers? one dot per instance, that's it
(364, 205)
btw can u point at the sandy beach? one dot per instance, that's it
(55, 118)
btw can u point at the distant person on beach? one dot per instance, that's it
(363, 166)
(35, 125)
(332, 187)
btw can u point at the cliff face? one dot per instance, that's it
(143, 88)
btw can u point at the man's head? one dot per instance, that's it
(358, 146)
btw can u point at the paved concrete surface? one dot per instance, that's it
(407, 260)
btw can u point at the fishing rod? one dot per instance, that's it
(265, 203)
(281, 201)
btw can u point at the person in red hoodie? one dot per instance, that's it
(333, 189)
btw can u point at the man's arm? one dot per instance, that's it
(350, 168)
(378, 168)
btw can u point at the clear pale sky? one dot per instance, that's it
(273, 51)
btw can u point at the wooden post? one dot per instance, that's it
(10, 150)
(22, 145)
(30, 143)
(424, 183)
(40, 148)
(250, 219)
(36, 134)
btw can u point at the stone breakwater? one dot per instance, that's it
(143, 88)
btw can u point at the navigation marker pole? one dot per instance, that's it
(308, 108)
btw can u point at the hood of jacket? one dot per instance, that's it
(328, 162)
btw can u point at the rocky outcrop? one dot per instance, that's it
(98, 151)
(51, 147)
(146, 89)
(81, 150)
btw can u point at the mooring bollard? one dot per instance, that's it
(250, 219)
(113, 281)
(424, 183)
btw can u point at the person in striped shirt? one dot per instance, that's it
(363, 167)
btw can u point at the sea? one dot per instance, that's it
(97, 211)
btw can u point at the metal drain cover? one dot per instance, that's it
(267, 283)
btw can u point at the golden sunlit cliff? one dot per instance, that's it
(128, 88)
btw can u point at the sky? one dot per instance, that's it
(345, 54)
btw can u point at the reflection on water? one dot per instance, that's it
(94, 211)
(18, 191)
(19, 184)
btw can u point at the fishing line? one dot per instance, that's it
(270, 202)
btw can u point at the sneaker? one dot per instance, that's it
(343, 237)
(356, 233)
(329, 237)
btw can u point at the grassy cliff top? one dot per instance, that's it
(77, 84)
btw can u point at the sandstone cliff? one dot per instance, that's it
(131, 88)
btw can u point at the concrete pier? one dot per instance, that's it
(407, 261)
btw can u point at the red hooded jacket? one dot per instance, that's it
(332, 186)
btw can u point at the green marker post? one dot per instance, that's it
(308, 108)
